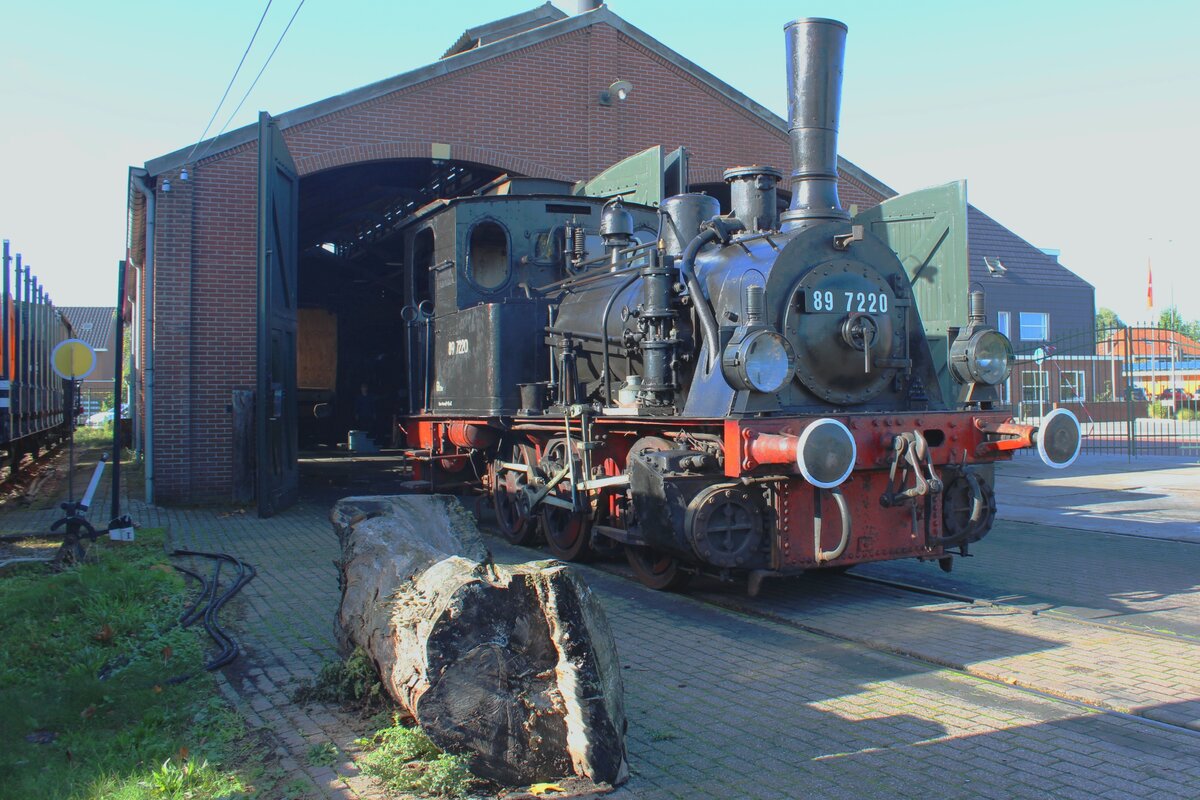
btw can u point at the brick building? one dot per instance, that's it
(524, 96)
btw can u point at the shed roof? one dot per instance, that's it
(504, 28)
(1017, 259)
(486, 42)
(92, 324)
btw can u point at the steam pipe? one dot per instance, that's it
(816, 50)
(708, 320)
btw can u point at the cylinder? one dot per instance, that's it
(816, 51)
(533, 397)
(755, 304)
(682, 215)
(977, 312)
(752, 196)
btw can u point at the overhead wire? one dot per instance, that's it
(254, 82)
(217, 110)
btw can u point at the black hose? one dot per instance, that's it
(187, 612)
(209, 589)
(207, 610)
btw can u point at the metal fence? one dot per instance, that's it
(1135, 389)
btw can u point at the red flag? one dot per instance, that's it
(1149, 285)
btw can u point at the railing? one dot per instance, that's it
(1134, 388)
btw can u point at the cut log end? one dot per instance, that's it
(513, 666)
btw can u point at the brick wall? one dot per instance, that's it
(534, 111)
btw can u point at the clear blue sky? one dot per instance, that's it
(1076, 124)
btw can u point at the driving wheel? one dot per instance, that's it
(657, 569)
(568, 533)
(507, 496)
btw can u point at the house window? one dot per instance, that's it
(1070, 386)
(1035, 326)
(1034, 386)
(1003, 323)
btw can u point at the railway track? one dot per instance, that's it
(1055, 614)
(1099, 680)
(1094, 665)
(31, 474)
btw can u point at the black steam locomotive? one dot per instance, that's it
(753, 393)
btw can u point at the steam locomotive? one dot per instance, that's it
(746, 395)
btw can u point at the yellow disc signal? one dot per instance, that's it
(73, 359)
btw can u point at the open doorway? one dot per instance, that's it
(351, 284)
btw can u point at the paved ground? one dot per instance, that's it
(1150, 496)
(762, 702)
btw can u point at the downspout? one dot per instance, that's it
(145, 184)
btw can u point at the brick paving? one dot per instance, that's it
(1123, 670)
(723, 704)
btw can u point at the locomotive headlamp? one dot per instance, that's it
(826, 453)
(759, 360)
(983, 357)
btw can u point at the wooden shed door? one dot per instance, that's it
(278, 478)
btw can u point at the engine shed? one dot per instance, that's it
(273, 268)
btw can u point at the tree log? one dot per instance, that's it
(513, 666)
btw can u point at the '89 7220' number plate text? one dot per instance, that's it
(832, 301)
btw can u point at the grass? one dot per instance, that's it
(404, 760)
(87, 700)
(101, 436)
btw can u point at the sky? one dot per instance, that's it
(1076, 124)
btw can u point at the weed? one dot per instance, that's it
(406, 761)
(447, 776)
(353, 682)
(296, 789)
(323, 755)
(662, 736)
(185, 779)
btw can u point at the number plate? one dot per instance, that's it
(833, 301)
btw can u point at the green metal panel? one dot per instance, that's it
(637, 179)
(927, 230)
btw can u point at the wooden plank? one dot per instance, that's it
(316, 355)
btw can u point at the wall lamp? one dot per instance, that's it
(619, 89)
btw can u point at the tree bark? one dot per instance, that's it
(513, 666)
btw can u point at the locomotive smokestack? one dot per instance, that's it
(815, 51)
